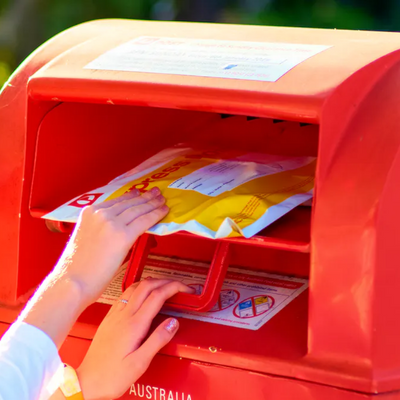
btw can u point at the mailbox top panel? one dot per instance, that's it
(190, 65)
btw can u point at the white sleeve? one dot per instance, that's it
(30, 367)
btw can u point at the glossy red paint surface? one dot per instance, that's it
(69, 130)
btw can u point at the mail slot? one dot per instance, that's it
(104, 96)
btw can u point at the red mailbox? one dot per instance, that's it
(102, 97)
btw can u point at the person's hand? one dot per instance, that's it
(117, 358)
(103, 236)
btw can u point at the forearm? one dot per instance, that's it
(55, 307)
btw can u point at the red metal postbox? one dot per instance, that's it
(67, 128)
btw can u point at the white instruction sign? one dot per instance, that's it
(256, 61)
(247, 300)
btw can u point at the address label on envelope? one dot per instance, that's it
(256, 61)
(247, 300)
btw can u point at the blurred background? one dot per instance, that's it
(25, 24)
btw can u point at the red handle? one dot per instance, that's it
(184, 301)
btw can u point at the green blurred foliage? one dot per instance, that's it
(25, 24)
(59, 15)
(317, 14)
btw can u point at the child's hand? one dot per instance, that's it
(103, 236)
(117, 358)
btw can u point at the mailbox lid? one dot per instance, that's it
(298, 94)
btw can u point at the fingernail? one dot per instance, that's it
(155, 190)
(149, 277)
(164, 208)
(131, 193)
(172, 325)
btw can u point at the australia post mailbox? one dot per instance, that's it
(100, 98)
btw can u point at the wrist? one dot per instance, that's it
(76, 288)
(75, 272)
(63, 278)
(81, 290)
(88, 386)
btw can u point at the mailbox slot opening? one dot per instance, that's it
(83, 146)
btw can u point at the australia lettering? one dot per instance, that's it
(155, 393)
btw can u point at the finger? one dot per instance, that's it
(141, 224)
(143, 292)
(127, 295)
(134, 212)
(154, 302)
(120, 207)
(109, 203)
(163, 334)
